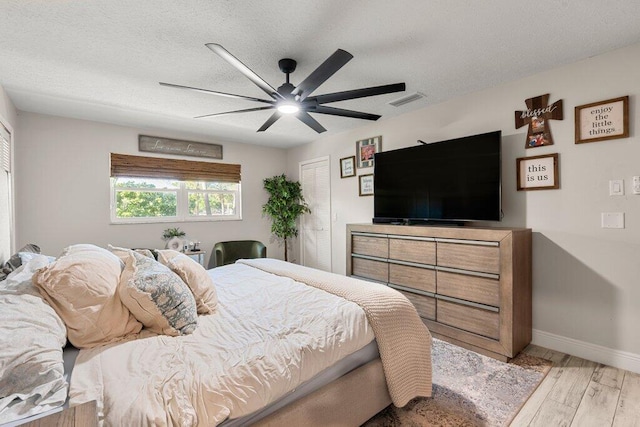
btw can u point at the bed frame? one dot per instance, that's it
(348, 401)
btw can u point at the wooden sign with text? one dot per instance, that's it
(602, 120)
(154, 144)
(538, 172)
(537, 116)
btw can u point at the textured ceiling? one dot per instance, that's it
(102, 60)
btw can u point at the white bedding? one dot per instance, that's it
(269, 335)
(31, 380)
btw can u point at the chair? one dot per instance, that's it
(229, 252)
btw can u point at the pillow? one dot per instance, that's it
(195, 276)
(25, 257)
(123, 253)
(31, 340)
(146, 252)
(16, 259)
(157, 297)
(81, 286)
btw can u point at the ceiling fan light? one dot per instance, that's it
(288, 107)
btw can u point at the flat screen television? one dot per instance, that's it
(450, 181)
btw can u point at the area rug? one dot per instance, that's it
(469, 389)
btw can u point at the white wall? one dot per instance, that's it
(8, 117)
(62, 187)
(7, 110)
(586, 280)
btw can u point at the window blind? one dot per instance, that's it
(184, 170)
(5, 148)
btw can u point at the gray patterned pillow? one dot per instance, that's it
(16, 260)
(157, 297)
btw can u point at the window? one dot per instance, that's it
(146, 189)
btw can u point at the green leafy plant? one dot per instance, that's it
(172, 232)
(284, 206)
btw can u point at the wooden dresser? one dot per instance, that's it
(471, 286)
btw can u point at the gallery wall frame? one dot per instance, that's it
(538, 172)
(602, 120)
(366, 150)
(348, 167)
(365, 186)
(537, 117)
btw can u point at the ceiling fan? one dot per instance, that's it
(290, 99)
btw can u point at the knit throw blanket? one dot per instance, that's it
(403, 340)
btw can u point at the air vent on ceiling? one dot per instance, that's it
(406, 99)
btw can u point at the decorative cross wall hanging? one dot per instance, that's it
(537, 116)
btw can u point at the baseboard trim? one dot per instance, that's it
(597, 353)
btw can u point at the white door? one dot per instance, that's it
(315, 228)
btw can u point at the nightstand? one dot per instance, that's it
(85, 415)
(197, 255)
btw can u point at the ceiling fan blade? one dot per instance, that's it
(359, 93)
(248, 110)
(323, 109)
(271, 120)
(310, 121)
(213, 92)
(235, 62)
(322, 73)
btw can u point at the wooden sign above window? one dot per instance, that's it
(154, 144)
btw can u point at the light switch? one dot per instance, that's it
(616, 187)
(612, 220)
(636, 185)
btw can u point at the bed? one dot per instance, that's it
(282, 344)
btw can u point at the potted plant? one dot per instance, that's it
(173, 236)
(284, 206)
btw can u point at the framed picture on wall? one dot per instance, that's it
(366, 149)
(538, 172)
(602, 120)
(366, 185)
(348, 166)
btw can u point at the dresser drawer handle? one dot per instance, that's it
(468, 303)
(421, 239)
(363, 234)
(468, 242)
(468, 272)
(412, 290)
(369, 257)
(412, 264)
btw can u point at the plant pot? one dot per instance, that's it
(174, 243)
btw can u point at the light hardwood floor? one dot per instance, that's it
(580, 393)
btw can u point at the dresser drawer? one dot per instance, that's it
(423, 252)
(471, 288)
(369, 245)
(425, 306)
(413, 277)
(370, 269)
(485, 259)
(472, 319)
